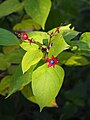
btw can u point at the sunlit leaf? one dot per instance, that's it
(46, 83)
(38, 10)
(31, 57)
(66, 32)
(26, 46)
(69, 58)
(85, 37)
(58, 45)
(26, 24)
(28, 94)
(39, 36)
(83, 44)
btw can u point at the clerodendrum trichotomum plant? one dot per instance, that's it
(41, 62)
(39, 75)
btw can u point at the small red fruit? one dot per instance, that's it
(57, 29)
(24, 36)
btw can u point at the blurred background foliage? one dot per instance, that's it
(74, 98)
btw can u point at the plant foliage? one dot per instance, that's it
(35, 73)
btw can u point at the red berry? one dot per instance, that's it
(24, 36)
(57, 29)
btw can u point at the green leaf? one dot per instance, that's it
(69, 34)
(58, 45)
(11, 69)
(9, 49)
(15, 56)
(27, 92)
(5, 85)
(8, 38)
(81, 46)
(64, 28)
(26, 24)
(66, 32)
(77, 60)
(19, 80)
(32, 56)
(26, 46)
(61, 28)
(45, 42)
(83, 43)
(85, 37)
(38, 10)
(46, 83)
(9, 6)
(4, 63)
(69, 58)
(39, 36)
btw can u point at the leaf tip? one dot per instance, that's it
(8, 95)
(41, 108)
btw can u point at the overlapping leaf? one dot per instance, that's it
(9, 6)
(8, 38)
(46, 83)
(5, 85)
(28, 93)
(69, 58)
(32, 56)
(83, 44)
(26, 24)
(58, 45)
(66, 32)
(19, 80)
(38, 36)
(38, 10)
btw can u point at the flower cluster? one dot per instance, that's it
(52, 61)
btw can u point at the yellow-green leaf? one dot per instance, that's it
(32, 56)
(58, 45)
(46, 83)
(38, 10)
